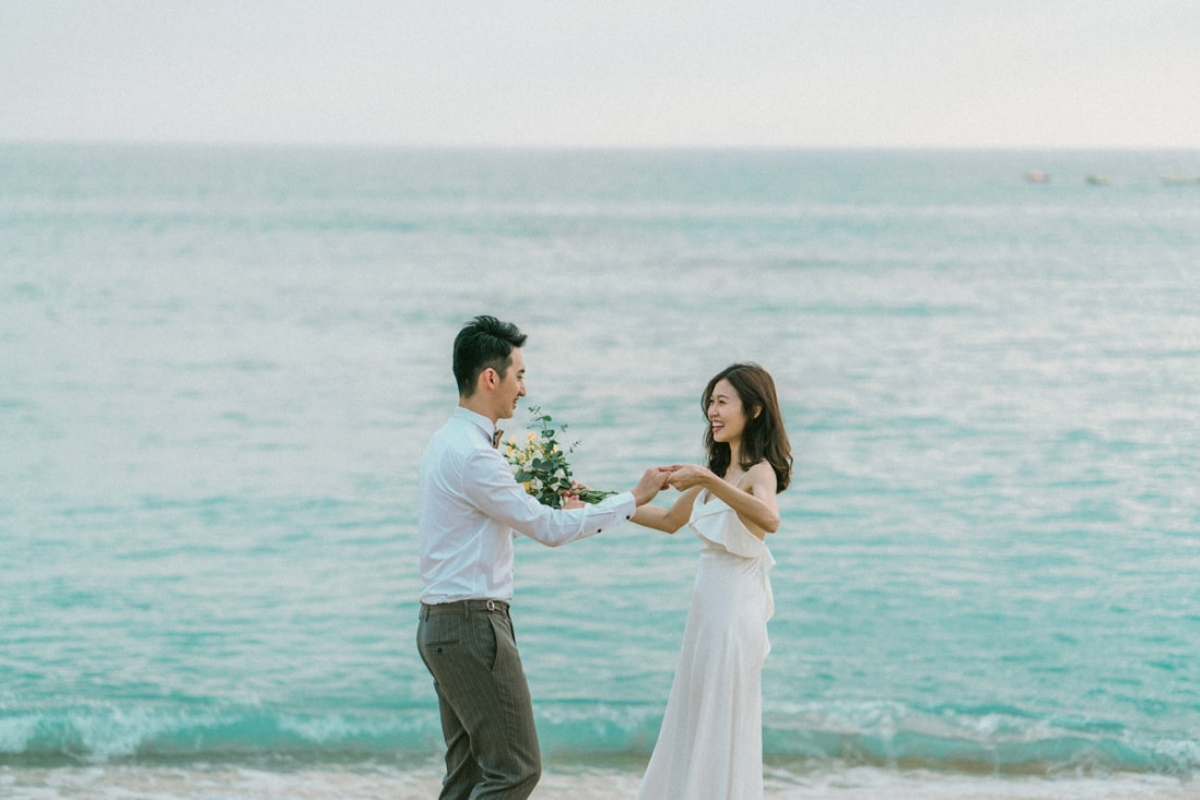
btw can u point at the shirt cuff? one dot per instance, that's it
(624, 504)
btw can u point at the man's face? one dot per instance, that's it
(512, 387)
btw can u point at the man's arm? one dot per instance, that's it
(489, 484)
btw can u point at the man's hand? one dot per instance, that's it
(570, 498)
(653, 481)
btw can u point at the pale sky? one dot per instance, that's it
(559, 73)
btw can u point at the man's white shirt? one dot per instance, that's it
(470, 507)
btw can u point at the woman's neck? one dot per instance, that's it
(735, 455)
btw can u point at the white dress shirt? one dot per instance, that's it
(469, 508)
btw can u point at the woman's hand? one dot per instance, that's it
(685, 476)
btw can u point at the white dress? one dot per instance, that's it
(710, 744)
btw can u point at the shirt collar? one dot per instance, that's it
(484, 424)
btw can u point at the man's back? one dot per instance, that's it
(464, 552)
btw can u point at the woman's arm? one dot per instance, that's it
(753, 500)
(668, 519)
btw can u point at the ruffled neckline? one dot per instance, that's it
(730, 533)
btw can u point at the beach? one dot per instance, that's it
(219, 367)
(562, 780)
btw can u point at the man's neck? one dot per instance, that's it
(475, 403)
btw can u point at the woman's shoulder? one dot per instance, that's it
(759, 473)
(760, 480)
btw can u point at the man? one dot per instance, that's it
(469, 508)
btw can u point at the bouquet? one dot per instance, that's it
(540, 465)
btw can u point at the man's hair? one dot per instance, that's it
(483, 343)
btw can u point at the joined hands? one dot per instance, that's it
(685, 476)
(680, 477)
(654, 480)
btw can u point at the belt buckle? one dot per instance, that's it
(491, 605)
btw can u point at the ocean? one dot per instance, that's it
(219, 367)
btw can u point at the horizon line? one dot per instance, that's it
(548, 147)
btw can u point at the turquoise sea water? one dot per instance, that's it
(218, 368)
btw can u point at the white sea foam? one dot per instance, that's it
(563, 781)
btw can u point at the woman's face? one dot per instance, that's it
(725, 413)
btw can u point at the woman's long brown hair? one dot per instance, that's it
(763, 438)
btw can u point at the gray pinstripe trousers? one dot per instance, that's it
(487, 716)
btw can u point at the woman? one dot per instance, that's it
(710, 744)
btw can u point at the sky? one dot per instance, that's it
(561, 73)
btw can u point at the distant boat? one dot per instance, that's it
(1180, 180)
(1037, 176)
(1099, 180)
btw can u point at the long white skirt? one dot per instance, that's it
(710, 744)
